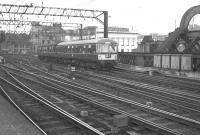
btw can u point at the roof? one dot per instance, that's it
(147, 39)
(91, 41)
(119, 32)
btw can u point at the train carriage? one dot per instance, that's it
(96, 53)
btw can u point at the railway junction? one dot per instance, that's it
(83, 88)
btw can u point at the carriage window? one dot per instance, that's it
(68, 49)
(93, 48)
(79, 49)
(76, 49)
(83, 50)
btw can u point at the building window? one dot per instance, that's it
(128, 42)
(127, 50)
(133, 42)
(122, 50)
(48, 41)
(132, 50)
(121, 42)
(118, 39)
(43, 41)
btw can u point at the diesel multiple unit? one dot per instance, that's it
(95, 53)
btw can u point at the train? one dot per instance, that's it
(93, 53)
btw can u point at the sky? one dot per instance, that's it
(141, 16)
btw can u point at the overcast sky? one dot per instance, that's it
(143, 16)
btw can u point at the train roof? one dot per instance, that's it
(99, 41)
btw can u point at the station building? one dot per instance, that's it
(149, 43)
(17, 43)
(127, 41)
(46, 35)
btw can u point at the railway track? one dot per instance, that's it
(104, 117)
(177, 90)
(178, 101)
(164, 100)
(191, 95)
(180, 84)
(47, 118)
(179, 125)
(179, 97)
(100, 115)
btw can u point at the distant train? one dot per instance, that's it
(95, 53)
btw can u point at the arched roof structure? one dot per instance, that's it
(189, 14)
(172, 39)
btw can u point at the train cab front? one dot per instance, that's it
(107, 54)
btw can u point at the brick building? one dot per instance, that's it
(149, 43)
(46, 35)
(17, 43)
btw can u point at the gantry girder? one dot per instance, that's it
(17, 32)
(48, 11)
(29, 23)
(29, 10)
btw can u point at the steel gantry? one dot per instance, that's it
(19, 12)
(47, 23)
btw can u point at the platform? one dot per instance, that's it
(12, 122)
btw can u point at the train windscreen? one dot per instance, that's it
(107, 47)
